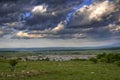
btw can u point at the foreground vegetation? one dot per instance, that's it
(105, 66)
(107, 58)
(66, 70)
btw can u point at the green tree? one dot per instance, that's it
(13, 64)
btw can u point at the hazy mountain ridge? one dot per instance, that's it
(62, 48)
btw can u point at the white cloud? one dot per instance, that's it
(119, 19)
(14, 24)
(94, 12)
(24, 34)
(114, 28)
(97, 11)
(59, 27)
(1, 32)
(40, 9)
(79, 35)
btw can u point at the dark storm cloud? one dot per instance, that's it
(99, 31)
(45, 19)
(10, 10)
(99, 34)
(42, 19)
(56, 12)
(8, 0)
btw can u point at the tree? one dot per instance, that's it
(13, 64)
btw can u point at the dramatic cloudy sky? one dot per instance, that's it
(59, 23)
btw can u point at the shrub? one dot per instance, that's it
(99, 56)
(102, 59)
(47, 59)
(94, 60)
(78, 59)
(108, 58)
(116, 57)
(117, 63)
(13, 64)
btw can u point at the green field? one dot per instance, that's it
(106, 68)
(66, 70)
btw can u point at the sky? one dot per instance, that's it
(59, 23)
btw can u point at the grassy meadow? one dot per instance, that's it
(66, 70)
(103, 67)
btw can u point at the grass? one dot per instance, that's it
(69, 70)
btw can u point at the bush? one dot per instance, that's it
(102, 59)
(117, 63)
(47, 59)
(78, 59)
(94, 60)
(109, 58)
(116, 57)
(13, 64)
(99, 56)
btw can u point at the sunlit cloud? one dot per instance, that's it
(27, 35)
(79, 35)
(98, 10)
(15, 24)
(1, 32)
(119, 19)
(40, 9)
(59, 27)
(94, 12)
(114, 27)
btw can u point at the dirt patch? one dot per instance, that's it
(24, 73)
